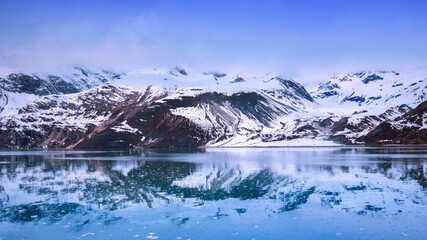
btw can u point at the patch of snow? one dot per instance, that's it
(124, 127)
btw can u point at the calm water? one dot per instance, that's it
(300, 193)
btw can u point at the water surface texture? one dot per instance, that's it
(291, 193)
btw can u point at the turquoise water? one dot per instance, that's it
(289, 193)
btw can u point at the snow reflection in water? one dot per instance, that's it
(298, 193)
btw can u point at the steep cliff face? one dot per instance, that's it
(183, 108)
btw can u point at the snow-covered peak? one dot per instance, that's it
(72, 80)
(184, 81)
(372, 91)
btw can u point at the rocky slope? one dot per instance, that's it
(361, 101)
(410, 128)
(184, 108)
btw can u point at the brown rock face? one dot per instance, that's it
(407, 129)
(151, 123)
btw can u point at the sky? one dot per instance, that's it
(302, 39)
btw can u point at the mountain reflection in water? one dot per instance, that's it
(104, 187)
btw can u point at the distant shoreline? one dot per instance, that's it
(218, 147)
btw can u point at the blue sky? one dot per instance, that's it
(290, 37)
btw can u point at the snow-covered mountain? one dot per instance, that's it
(361, 101)
(19, 89)
(184, 108)
(371, 91)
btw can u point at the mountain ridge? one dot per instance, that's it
(183, 108)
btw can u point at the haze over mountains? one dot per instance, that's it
(180, 107)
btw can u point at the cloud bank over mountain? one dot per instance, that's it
(287, 37)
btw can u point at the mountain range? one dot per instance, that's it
(181, 108)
